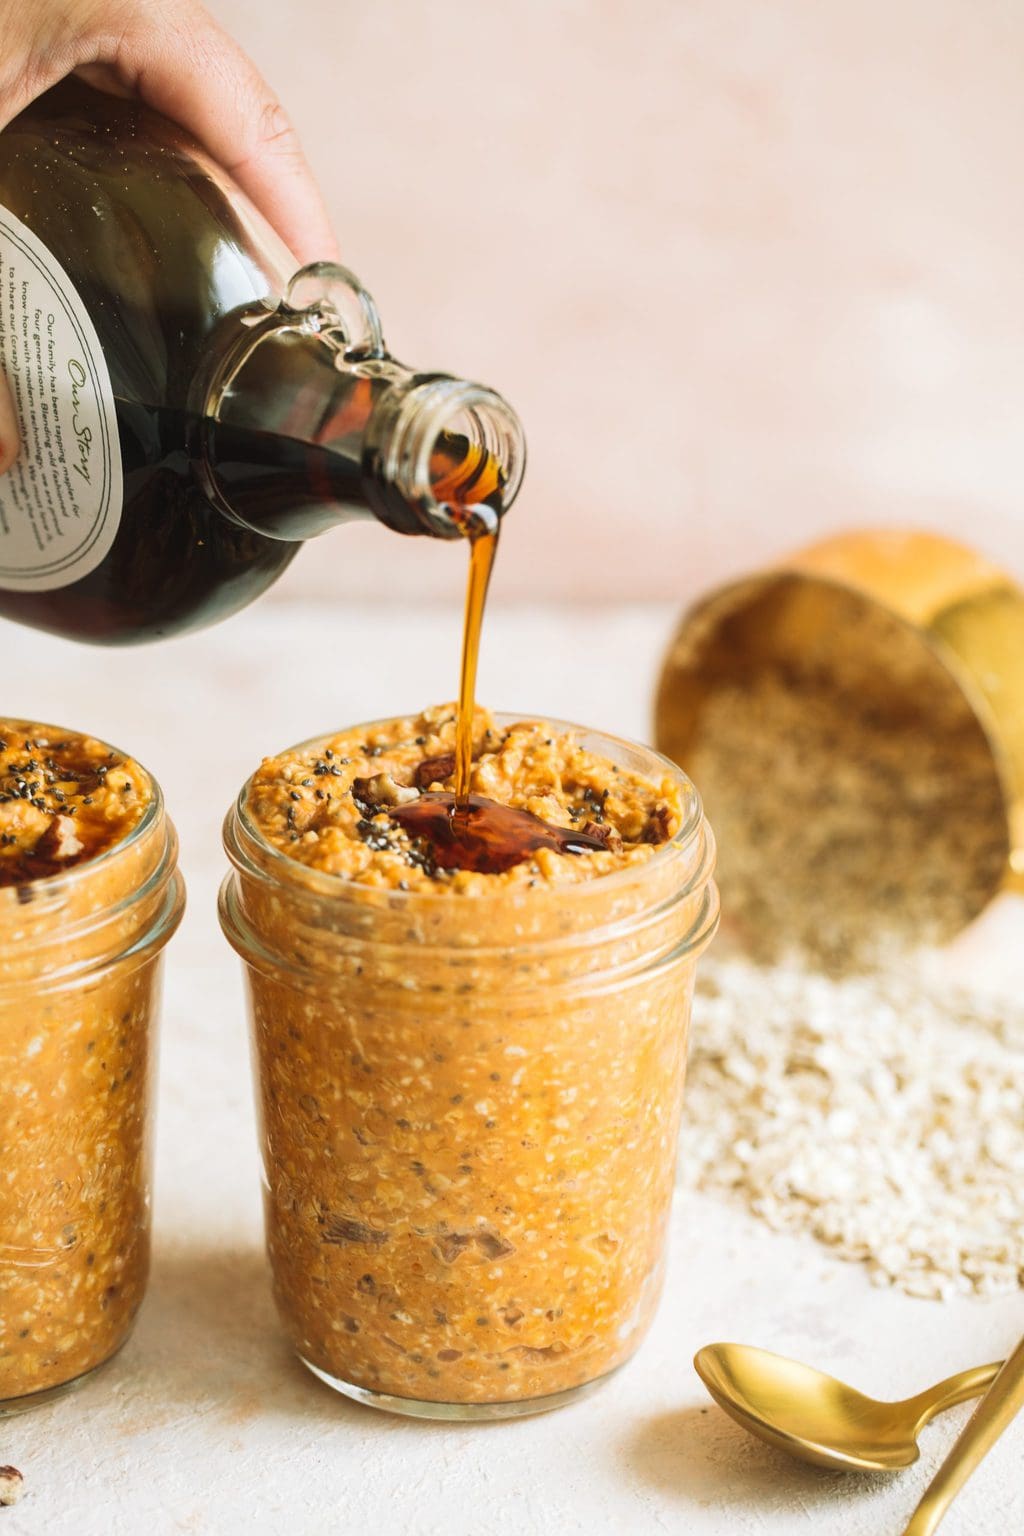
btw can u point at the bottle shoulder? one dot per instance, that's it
(155, 238)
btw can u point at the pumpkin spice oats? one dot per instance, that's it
(470, 1078)
(64, 799)
(339, 804)
(88, 897)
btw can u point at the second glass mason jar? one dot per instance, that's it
(469, 1110)
(80, 953)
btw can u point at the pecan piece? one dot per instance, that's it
(657, 829)
(382, 789)
(493, 1246)
(12, 1485)
(60, 840)
(609, 836)
(434, 770)
(450, 1245)
(342, 1229)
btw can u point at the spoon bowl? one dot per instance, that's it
(819, 1419)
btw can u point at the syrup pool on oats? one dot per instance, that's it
(376, 805)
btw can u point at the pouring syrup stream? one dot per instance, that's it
(463, 830)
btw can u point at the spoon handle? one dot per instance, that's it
(1002, 1401)
(955, 1389)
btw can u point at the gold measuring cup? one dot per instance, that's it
(967, 612)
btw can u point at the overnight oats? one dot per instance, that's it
(470, 1035)
(89, 895)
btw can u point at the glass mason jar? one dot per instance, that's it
(468, 1114)
(79, 983)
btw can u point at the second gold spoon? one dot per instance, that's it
(820, 1419)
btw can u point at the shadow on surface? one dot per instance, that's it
(699, 1454)
(209, 1335)
(208, 1345)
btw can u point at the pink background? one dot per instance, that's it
(750, 272)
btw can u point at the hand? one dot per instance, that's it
(174, 57)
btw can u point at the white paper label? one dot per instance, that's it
(60, 504)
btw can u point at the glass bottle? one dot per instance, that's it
(191, 408)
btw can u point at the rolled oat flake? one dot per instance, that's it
(883, 1118)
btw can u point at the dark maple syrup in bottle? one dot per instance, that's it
(191, 409)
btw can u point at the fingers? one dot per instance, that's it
(9, 443)
(37, 48)
(180, 62)
(210, 87)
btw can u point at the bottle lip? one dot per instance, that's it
(427, 409)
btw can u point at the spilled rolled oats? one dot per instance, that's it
(882, 1117)
(859, 822)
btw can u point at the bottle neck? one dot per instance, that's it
(451, 451)
(306, 421)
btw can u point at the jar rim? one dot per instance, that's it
(323, 882)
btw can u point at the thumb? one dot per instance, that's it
(9, 441)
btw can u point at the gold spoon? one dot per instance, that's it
(822, 1420)
(1000, 1405)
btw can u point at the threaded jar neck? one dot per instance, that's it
(119, 908)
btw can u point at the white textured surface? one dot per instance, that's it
(204, 1424)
